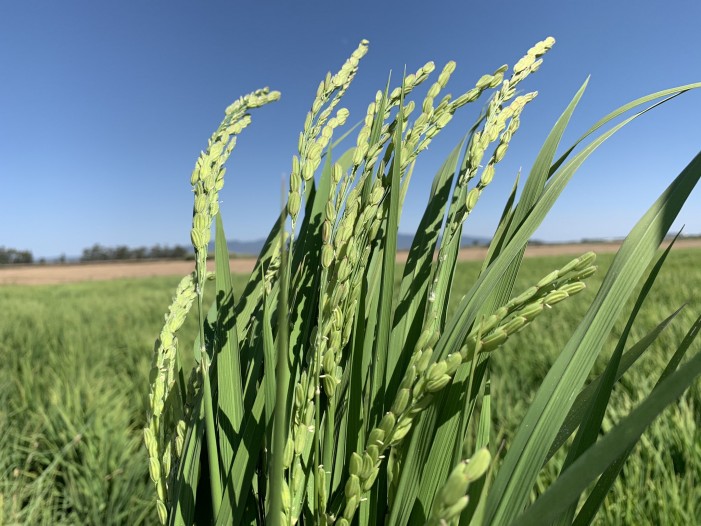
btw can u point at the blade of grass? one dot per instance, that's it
(408, 315)
(603, 485)
(594, 414)
(282, 381)
(389, 265)
(244, 464)
(228, 367)
(609, 448)
(499, 238)
(270, 365)
(576, 414)
(667, 94)
(478, 489)
(185, 487)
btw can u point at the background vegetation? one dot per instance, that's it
(122, 252)
(12, 256)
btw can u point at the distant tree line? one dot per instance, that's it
(122, 252)
(11, 256)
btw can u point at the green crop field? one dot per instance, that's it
(74, 363)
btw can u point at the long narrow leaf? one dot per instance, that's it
(605, 482)
(594, 414)
(576, 414)
(228, 367)
(408, 315)
(282, 397)
(592, 463)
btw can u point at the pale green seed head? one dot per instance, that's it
(494, 340)
(401, 401)
(326, 232)
(484, 82)
(532, 311)
(295, 182)
(556, 296)
(162, 511)
(294, 203)
(471, 200)
(337, 173)
(436, 384)
(585, 260)
(436, 370)
(424, 360)
(352, 489)
(444, 76)
(500, 152)
(455, 487)
(376, 437)
(573, 288)
(387, 423)
(514, 325)
(356, 464)
(548, 280)
(154, 468)
(453, 361)
(342, 115)
(427, 69)
(327, 256)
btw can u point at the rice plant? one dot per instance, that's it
(321, 396)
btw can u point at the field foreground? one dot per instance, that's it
(74, 273)
(75, 360)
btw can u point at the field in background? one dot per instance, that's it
(73, 273)
(74, 360)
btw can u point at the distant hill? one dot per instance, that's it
(253, 248)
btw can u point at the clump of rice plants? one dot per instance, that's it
(319, 396)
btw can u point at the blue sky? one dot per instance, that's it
(104, 106)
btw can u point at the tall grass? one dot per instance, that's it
(318, 396)
(73, 372)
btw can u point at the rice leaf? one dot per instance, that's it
(608, 449)
(244, 464)
(388, 269)
(282, 398)
(270, 364)
(228, 367)
(186, 482)
(603, 485)
(409, 312)
(594, 414)
(576, 414)
(666, 95)
(499, 238)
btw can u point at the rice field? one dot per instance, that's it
(74, 363)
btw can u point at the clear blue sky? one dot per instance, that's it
(104, 106)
